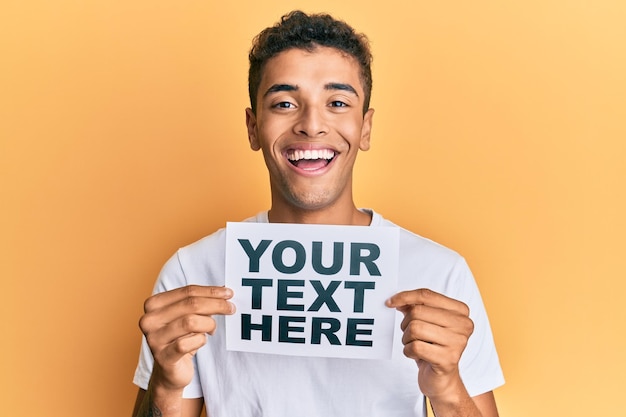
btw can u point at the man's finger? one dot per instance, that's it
(183, 308)
(441, 317)
(186, 345)
(160, 300)
(426, 297)
(417, 330)
(181, 327)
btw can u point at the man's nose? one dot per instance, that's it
(311, 122)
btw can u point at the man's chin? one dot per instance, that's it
(308, 201)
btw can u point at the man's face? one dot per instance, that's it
(310, 126)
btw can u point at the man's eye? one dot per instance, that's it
(338, 103)
(284, 105)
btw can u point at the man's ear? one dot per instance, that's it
(252, 132)
(366, 130)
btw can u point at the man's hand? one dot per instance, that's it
(435, 332)
(175, 324)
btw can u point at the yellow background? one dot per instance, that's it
(500, 132)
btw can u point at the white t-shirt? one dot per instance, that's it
(240, 384)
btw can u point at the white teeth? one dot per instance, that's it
(298, 154)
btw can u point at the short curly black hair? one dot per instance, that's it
(300, 30)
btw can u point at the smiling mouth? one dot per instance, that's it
(310, 159)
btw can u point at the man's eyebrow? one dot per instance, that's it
(341, 86)
(276, 88)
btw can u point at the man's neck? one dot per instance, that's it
(330, 215)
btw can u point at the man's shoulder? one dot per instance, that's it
(216, 240)
(414, 242)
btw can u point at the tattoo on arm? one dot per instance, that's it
(153, 411)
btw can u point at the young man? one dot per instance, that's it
(310, 84)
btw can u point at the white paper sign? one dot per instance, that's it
(311, 290)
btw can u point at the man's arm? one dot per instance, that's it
(483, 405)
(176, 324)
(486, 404)
(435, 330)
(144, 406)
